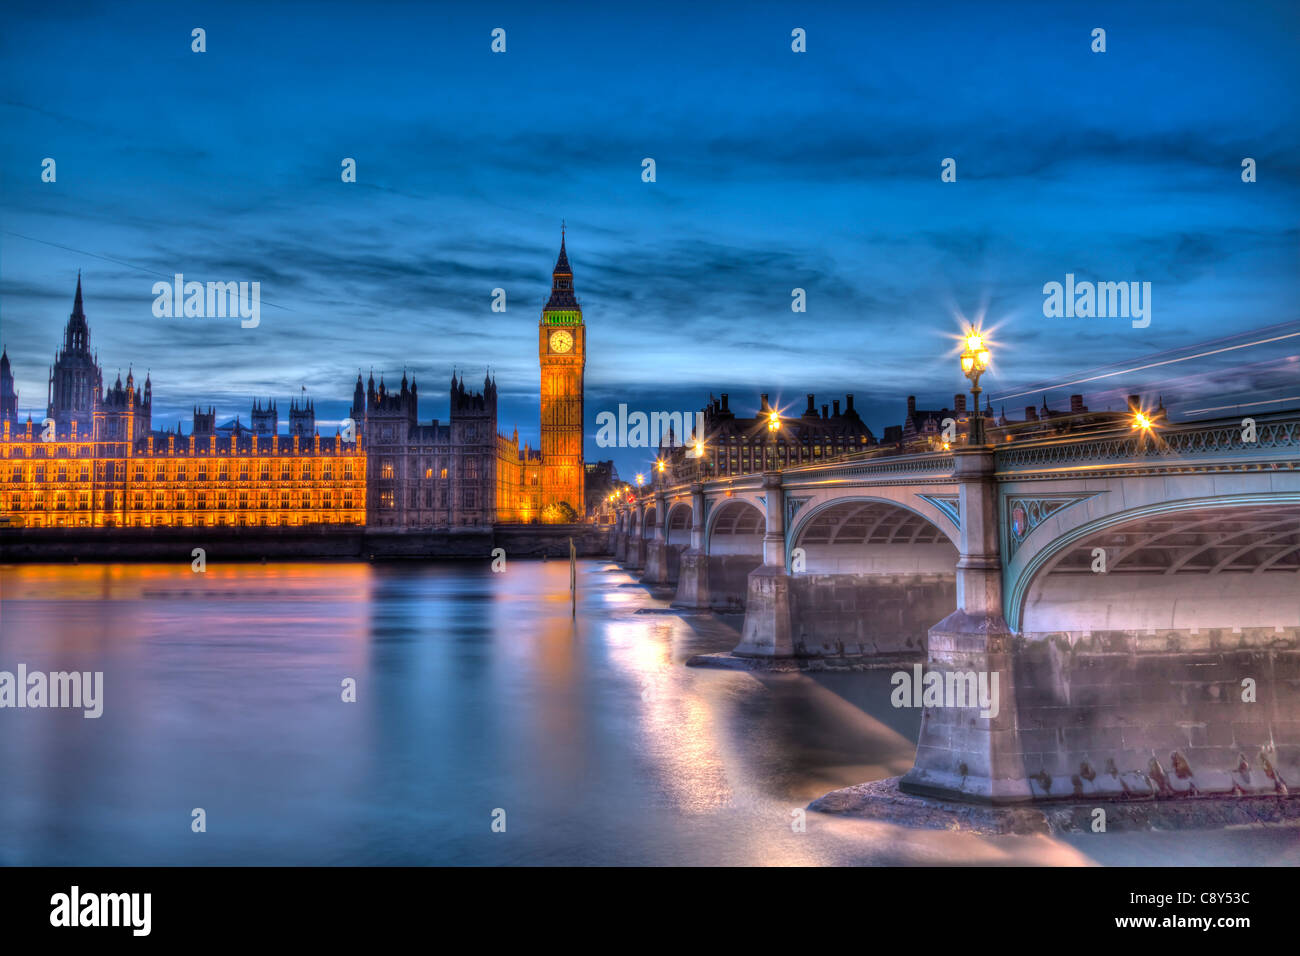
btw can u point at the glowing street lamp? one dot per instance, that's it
(697, 452)
(975, 360)
(1142, 421)
(640, 480)
(773, 427)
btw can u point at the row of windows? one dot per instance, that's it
(116, 471)
(468, 498)
(197, 521)
(469, 470)
(162, 501)
(39, 449)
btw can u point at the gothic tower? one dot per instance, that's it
(8, 396)
(562, 352)
(75, 378)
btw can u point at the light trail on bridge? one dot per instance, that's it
(1204, 353)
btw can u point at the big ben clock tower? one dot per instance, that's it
(562, 352)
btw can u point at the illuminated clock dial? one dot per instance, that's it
(561, 341)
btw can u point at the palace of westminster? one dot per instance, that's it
(96, 460)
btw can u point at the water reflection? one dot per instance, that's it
(475, 691)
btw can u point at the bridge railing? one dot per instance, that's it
(1275, 437)
(928, 464)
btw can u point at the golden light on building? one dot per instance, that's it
(185, 482)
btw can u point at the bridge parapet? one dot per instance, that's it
(1276, 440)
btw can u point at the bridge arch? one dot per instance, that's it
(735, 525)
(875, 574)
(871, 533)
(648, 523)
(1191, 565)
(733, 545)
(679, 524)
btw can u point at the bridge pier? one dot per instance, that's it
(656, 555)
(636, 544)
(769, 622)
(693, 571)
(620, 536)
(967, 752)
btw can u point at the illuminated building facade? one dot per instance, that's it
(562, 354)
(96, 461)
(464, 473)
(732, 445)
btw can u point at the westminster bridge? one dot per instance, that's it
(1137, 593)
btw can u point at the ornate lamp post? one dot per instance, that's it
(697, 449)
(975, 360)
(773, 426)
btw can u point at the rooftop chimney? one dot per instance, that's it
(765, 403)
(848, 402)
(911, 404)
(1031, 413)
(811, 409)
(724, 402)
(959, 403)
(836, 405)
(1076, 404)
(826, 411)
(1134, 403)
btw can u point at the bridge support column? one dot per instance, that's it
(636, 544)
(620, 538)
(656, 558)
(693, 574)
(966, 752)
(769, 630)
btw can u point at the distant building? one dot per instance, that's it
(733, 445)
(925, 429)
(96, 461)
(601, 481)
(100, 463)
(1045, 422)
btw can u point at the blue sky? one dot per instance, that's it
(775, 170)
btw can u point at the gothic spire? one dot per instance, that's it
(562, 281)
(76, 337)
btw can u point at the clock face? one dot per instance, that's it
(561, 341)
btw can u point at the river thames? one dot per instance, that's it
(475, 692)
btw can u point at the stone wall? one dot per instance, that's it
(1159, 714)
(1116, 714)
(729, 580)
(875, 615)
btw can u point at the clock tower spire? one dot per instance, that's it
(562, 354)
